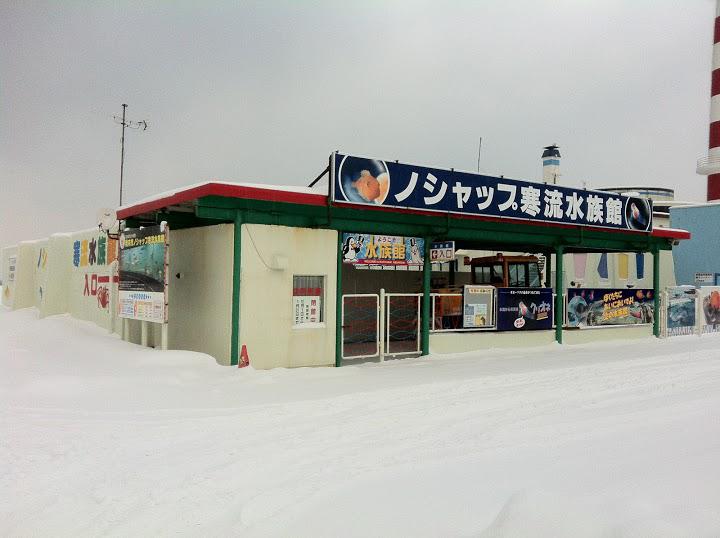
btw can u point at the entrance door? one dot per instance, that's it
(380, 325)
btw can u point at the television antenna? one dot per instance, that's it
(137, 125)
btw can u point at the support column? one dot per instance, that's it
(338, 303)
(656, 292)
(237, 251)
(427, 273)
(559, 302)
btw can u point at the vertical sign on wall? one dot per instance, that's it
(142, 267)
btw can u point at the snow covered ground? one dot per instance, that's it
(101, 437)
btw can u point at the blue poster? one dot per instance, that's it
(524, 309)
(589, 307)
(359, 180)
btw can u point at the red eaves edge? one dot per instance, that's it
(272, 195)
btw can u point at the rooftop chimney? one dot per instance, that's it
(710, 166)
(551, 163)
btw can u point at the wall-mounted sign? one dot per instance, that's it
(589, 307)
(524, 309)
(705, 279)
(143, 261)
(360, 180)
(12, 262)
(369, 249)
(680, 310)
(442, 251)
(478, 307)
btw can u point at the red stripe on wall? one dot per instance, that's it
(103, 279)
(713, 187)
(715, 85)
(714, 135)
(717, 31)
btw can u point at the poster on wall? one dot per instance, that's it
(143, 260)
(386, 250)
(680, 310)
(592, 307)
(306, 309)
(373, 182)
(524, 309)
(710, 308)
(478, 307)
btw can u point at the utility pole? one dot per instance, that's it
(132, 125)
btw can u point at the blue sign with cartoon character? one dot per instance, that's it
(375, 249)
(359, 180)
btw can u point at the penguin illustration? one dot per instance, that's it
(415, 256)
(351, 248)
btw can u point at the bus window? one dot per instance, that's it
(533, 275)
(496, 276)
(517, 275)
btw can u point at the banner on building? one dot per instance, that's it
(360, 180)
(388, 250)
(524, 309)
(680, 310)
(591, 307)
(143, 261)
(442, 251)
(709, 297)
(478, 307)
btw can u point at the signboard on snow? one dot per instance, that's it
(680, 310)
(142, 267)
(387, 250)
(373, 182)
(442, 251)
(710, 306)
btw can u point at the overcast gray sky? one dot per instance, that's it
(264, 91)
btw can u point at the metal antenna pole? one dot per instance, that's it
(479, 148)
(122, 151)
(131, 125)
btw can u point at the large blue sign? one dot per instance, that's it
(359, 180)
(524, 309)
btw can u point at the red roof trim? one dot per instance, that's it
(276, 195)
(671, 233)
(221, 189)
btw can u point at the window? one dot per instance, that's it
(308, 294)
(517, 277)
(533, 275)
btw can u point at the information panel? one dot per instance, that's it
(143, 260)
(478, 307)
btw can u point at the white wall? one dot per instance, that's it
(266, 313)
(200, 301)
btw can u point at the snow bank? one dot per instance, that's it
(101, 437)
